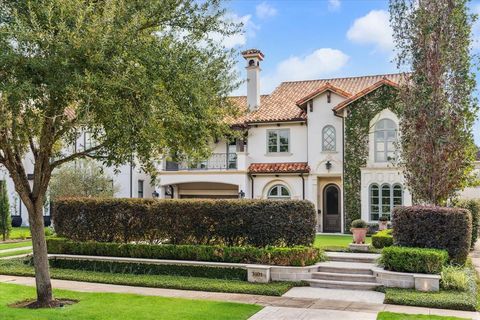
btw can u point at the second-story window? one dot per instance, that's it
(140, 188)
(385, 139)
(328, 138)
(278, 140)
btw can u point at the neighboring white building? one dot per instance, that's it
(293, 148)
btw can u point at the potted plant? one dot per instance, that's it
(383, 223)
(359, 229)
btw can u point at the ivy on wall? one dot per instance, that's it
(357, 128)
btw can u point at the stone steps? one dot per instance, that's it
(353, 257)
(332, 267)
(343, 277)
(350, 285)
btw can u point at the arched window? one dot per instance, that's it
(385, 138)
(278, 192)
(374, 202)
(328, 138)
(383, 199)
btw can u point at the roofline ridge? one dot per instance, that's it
(341, 78)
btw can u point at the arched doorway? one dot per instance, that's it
(331, 208)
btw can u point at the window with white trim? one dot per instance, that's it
(278, 192)
(385, 139)
(278, 140)
(328, 138)
(383, 199)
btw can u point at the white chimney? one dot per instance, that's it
(253, 58)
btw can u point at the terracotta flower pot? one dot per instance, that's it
(359, 235)
(382, 225)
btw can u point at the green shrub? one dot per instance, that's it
(382, 239)
(153, 269)
(472, 205)
(456, 278)
(416, 260)
(359, 223)
(434, 227)
(256, 223)
(286, 256)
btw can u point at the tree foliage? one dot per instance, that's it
(84, 178)
(5, 217)
(433, 39)
(144, 78)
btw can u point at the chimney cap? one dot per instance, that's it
(253, 53)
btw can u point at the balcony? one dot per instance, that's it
(217, 161)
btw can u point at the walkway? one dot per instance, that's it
(276, 307)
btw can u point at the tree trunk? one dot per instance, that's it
(40, 256)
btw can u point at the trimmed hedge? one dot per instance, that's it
(256, 223)
(416, 260)
(382, 239)
(153, 269)
(434, 227)
(472, 205)
(286, 256)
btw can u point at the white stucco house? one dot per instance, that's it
(293, 148)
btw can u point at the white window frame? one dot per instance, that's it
(279, 196)
(277, 132)
(324, 146)
(385, 140)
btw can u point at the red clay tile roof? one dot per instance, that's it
(285, 167)
(322, 89)
(281, 104)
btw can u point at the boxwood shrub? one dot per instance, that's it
(256, 223)
(282, 256)
(146, 268)
(382, 239)
(434, 227)
(416, 260)
(472, 205)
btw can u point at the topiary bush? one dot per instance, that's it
(382, 239)
(291, 256)
(359, 223)
(472, 205)
(434, 227)
(256, 223)
(416, 260)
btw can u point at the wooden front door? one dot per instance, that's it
(331, 209)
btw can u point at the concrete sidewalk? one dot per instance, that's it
(291, 308)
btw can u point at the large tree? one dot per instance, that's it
(144, 78)
(433, 41)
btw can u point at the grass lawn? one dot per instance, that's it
(403, 316)
(12, 245)
(107, 306)
(17, 267)
(335, 242)
(14, 253)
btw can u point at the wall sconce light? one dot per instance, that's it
(328, 165)
(241, 194)
(155, 194)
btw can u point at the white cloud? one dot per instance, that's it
(320, 63)
(264, 10)
(373, 28)
(239, 39)
(334, 5)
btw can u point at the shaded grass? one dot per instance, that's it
(14, 253)
(110, 306)
(403, 316)
(19, 268)
(12, 245)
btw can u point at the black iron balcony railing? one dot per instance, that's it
(217, 161)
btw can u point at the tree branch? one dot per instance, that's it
(83, 154)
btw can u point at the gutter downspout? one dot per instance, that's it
(303, 186)
(252, 185)
(343, 170)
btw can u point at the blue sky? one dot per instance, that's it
(305, 40)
